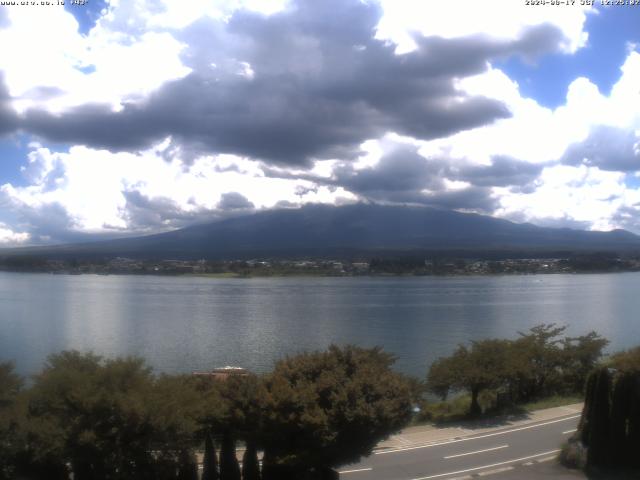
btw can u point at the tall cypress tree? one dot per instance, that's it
(587, 411)
(619, 417)
(268, 467)
(229, 467)
(599, 429)
(633, 438)
(210, 462)
(250, 465)
(188, 466)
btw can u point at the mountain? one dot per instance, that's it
(360, 229)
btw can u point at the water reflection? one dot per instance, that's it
(184, 324)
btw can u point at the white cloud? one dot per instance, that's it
(498, 18)
(579, 194)
(49, 52)
(133, 50)
(536, 133)
(91, 186)
(8, 237)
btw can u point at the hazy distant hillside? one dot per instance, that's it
(318, 230)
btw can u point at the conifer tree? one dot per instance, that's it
(188, 466)
(229, 467)
(250, 465)
(210, 462)
(599, 430)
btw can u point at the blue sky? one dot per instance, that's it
(156, 115)
(611, 32)
(86, 14)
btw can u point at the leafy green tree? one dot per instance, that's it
(537, 361)
(485, 365)
(10, 386)
(112, 419)
(626, 361)
(325, 409)
(580, 356)
(241, 406)
(175, 409)
(96, 409)
(210, 462)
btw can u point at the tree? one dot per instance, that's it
(325, 409)
(485, 365)
(537, 359)
(241, 406)
(599, 431)
(209, 463)
(250, 465)
(610, 423)
(111, 419)
(580, 356)
(626, 361)
(188, 466)
(229, 467)
(10, 386)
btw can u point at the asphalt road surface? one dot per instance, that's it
(476, 455)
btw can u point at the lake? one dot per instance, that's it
(181, 324)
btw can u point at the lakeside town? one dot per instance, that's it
(324, 267)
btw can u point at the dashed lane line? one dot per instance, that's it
(477, 451)
(483, 467)
(357, 470)
(467, 439)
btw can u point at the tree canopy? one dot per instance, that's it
(331, 408)
(538, 363)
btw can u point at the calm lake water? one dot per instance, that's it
(181, 324)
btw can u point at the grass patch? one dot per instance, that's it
(457, 409)
(551, 402)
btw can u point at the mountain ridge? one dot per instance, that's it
(321, 230)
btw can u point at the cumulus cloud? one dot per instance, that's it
(234, 106)
(308, 82)
(85, 191)
(500, 19)
(571, 195)
(234, 201)
(608, 148)
(8, 237)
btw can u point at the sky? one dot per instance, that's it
(141, 116)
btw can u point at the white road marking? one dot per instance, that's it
(447, 442)
(477, 451)
(570, 431)
(494, 471)
(356, 470)
(487, 466)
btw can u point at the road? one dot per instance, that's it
(494, 451)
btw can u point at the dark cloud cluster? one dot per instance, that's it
(8, 118)
(402, 175)
(45, 223)
(144, 213)
(319, 84)
(234, 201)
(608, 148)
(628, 217)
